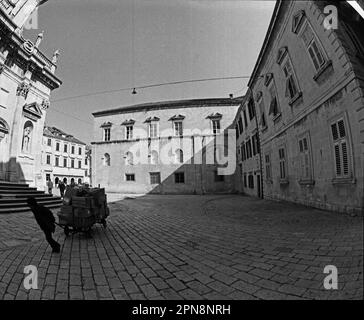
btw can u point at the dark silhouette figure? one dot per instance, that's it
(46, 222)
(62, 187)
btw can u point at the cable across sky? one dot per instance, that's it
(147, 86)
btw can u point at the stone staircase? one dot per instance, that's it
(13, 197)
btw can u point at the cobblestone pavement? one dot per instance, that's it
(189, 247)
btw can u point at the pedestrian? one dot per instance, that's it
(62, 187)
(46, 222)
(50, 186)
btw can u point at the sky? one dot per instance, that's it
(113, 44)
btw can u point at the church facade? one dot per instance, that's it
(27, 78)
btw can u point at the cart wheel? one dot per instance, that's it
(104, 224)
(66, 231)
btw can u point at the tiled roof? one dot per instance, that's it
(53, 132)
(172, 104)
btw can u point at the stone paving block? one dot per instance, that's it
(176, 284)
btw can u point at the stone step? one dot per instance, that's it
(23, 202)
(26, 208)
(21, 191)
(24, 199)
(15, 187)
(7, 183)
(23, 195)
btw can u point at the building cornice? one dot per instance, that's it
(177, 104)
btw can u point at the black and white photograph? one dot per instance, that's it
(197, 152)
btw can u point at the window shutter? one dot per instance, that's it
(341, 126)
(345, 158)
(337, 160)
(334, 131)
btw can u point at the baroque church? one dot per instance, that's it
(27, 78)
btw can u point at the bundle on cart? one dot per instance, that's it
(82, 208)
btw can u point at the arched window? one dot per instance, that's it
(106, 160)
(154, 158)
(4, 129)
(129, 159)
(179, 156)
(27, 137)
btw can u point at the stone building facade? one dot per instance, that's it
(164, 147)
(27, 78)
(249, 163)
(63, 157)
(307, 89)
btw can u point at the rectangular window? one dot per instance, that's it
(65, 148)
(216, 126)
(263, 121)
(155, 177)
(79, 164)
(72, 163)
(73, 149)
(305, 159)
(57, 146)
(249, 153)
(153, 130)
(65, 162)
(312, 46)
(243, 152)
(79, 151)
(341, 149)
(130, 177)
(129, 132)
(4, 95)
(273, 107)
(240, 125)
(85, 161)
(48, 159)
(218, 177)
(254, 145)
(245, 119)
(251, 181)
(268, 168)
(291, 84)
(245, 181)
(49, 142)
(251, 109)
(178, 128)
(179, 177)
(57, 162)
(236, 131)
(107, 134)
(282, 163)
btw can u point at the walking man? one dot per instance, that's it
(50, 186)
(62, 187)
(46, 222)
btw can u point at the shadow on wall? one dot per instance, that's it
(201, 174)
(11, 171)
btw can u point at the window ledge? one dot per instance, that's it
(277, 117)
(344, 181)
(306, 182)
(322, 70)
(283, 181)
(295, 98)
